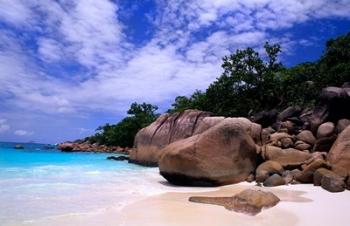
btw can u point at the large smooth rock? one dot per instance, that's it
(166, 129)
(267, 169)
(288, 158)
(223, 154)
(325, 130)
(248, 201)
(339, 155)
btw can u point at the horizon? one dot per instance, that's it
(66, 68)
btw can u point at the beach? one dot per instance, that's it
(84, 189)
(300, 205)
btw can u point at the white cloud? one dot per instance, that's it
(3, 125)
(22, 132)
(14, 12)
(174, 62)
(50, 49)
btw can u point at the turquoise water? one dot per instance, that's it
(37, 184)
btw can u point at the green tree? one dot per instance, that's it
(248, 84)
(123, 133)
(334, 65)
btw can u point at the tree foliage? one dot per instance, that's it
(252, 82)
(123, 133)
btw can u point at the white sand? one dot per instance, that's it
(301, 205)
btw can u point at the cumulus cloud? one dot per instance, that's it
(183, 54)
(22, 132)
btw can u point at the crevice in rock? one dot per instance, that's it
(196, 121)
(173, 125)
(160, 125)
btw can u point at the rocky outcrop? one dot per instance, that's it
(194, 148)
(87, 147)
(166, 129)
(249, 201)
(224, 154)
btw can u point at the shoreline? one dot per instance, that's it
(300, 205)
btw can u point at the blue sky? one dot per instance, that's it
(68, 66)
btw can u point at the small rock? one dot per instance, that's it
(307, 174)
(307, 137)
(275, 137)
(289, 175)
(288, 126)
(250, 178)
(18, 146)
(289, 158)
(319, 174)
(289, 112)
(118, 158)
(266, 169)
(286, 142)
(265, 134)
(324, 144)
(325, 130)
(248, 201)
(301, 145)
(342, 124)
(333, 183)
(274, 180)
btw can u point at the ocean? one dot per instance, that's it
(39, 185)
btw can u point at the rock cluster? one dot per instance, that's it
(87, 147)
(294, 146)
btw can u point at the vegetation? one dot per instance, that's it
(123, 133)
(251, 83)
